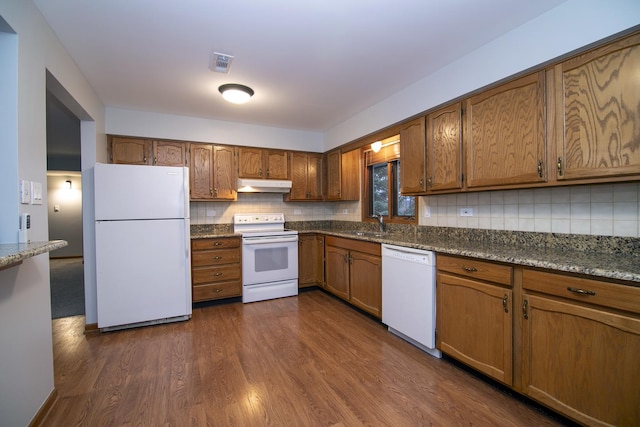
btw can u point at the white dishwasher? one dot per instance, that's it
(409, 295)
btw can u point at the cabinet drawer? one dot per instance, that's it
(218, 243)
(581, 289)
(222, 273)
(215, 257)
(469, 267)
(211, 291)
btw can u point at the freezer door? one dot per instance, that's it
(143, 271)
(124, 192)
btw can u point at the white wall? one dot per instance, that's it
(570, 26)
(65, 212)
(146, 124)
(26, 357)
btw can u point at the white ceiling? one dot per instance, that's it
(312, 64)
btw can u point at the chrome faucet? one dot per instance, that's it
(380, 220)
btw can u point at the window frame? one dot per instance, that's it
(391, 158)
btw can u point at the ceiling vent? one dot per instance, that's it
(220, 62)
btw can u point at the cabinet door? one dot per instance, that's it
(505, 134)
(299, 190)
(597, 102)
(334, 175)
(366, 282)
(250, 163)
(310, 260)
(337, 271)
(224, 175)
(412, 158)
(130, 151)
(474, 325)
(201, 171)
(168, 153)
(582, 361)
(350, 175)
(444, 148)
(314, 176)
(276, 164)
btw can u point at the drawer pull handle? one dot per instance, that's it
(469, 269)
(580, 291)
(217, 243)
(218, 290)
(218, 274)
(524, 309)
(504, 303)
(217, 257)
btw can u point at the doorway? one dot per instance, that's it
(64, 200)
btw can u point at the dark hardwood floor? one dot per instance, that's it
(305, 361)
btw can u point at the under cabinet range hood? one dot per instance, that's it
(263, 186)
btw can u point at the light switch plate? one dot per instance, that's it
(36, 193)
(25, 192)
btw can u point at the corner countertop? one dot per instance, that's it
(533, 251)
(12, 254)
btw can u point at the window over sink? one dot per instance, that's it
(381, 190)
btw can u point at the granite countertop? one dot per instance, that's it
(598, 256)
(605, 265)
(12, 254)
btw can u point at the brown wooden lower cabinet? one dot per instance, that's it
(310, 260)
(353, 272)
(580, 350)
(570, 342)
(216, 269)
(474, 315)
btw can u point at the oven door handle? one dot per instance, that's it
(268, 239)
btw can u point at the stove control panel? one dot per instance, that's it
(261, 218)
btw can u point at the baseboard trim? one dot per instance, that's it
(40, 416)
(91, 328)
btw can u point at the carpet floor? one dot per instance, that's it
(67, 287)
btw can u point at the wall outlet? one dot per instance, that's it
(345, 211)
(211, 212)
(297, 211)
(466, 211)
(427, 211)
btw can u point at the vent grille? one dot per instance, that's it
(220, 62)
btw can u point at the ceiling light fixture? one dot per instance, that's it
(236, 93)
(376, 146)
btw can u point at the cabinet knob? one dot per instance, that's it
(217, 258)
(217, 274)
(505, 299)
(267, 173)
(217, 243)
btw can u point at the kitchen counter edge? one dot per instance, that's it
(12, 254)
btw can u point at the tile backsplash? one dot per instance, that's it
(603, 209)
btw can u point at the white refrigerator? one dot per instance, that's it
(142, 245)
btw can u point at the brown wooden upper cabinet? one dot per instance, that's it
(504, 134)
(129, 151)
(306, 177)
(262, 163)
(444, 148)
(169, 153)
(597, 97)
(208, 182)
(343, 175)
(413, 168)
